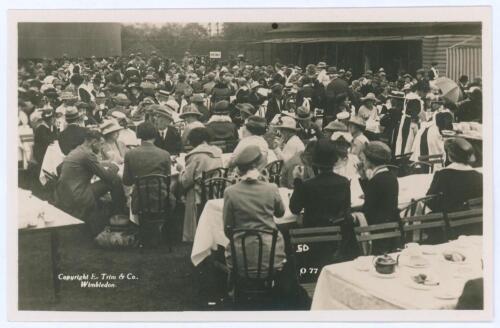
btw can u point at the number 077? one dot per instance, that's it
(303, 271)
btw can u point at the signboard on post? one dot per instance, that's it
(215, 55)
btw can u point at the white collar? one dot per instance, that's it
(459, 167)
(377, 170)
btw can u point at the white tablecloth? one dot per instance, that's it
(410, 187)
(210, 230)
(33, 213)
(342, 286)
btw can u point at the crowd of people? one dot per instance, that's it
(121, 118)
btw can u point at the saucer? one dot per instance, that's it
(384, 276)
(443, 294)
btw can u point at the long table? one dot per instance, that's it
(37, 216)
(344, 286)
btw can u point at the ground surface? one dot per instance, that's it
(167, 281)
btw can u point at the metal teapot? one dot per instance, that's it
(385, 264)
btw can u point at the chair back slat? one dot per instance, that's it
(315, 239)
(378, 227)
(383, 235)
(463, 222)
(153, 193)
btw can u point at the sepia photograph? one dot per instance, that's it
(248, 165)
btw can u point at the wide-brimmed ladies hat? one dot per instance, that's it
(336, 126)
(121, 99)
(286, 123)
(358, 121)
(190, 110)
(324, 154)
(222, 107)
(110, 126)
(246, 108)
(370, 96)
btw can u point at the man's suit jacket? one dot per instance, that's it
(141, 161)
(274, 106)
(472, 296)
(172, 141)
(72, 137)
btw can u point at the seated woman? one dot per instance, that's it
(381, 191)
(325, 197)
(458, 182)
(202, 158)
(113, 150)
(252, 204)
(346, 165)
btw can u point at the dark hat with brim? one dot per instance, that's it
(246, 108)
(324, 154)
(377, 152)
(72, 114)
(459, 150)
(257, 124)
(302, 113)
(190, 110)
(222, 107)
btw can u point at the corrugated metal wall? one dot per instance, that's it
(434, 49)
(38, 40)
(463, 61)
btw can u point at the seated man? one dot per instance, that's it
(167, 138)
(220, 124)
(74, 134)
(77, 195)
(144, 160)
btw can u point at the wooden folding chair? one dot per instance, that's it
(468, 219)
(389, 232)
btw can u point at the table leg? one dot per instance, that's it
(54, 252)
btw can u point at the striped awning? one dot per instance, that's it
(463, 61)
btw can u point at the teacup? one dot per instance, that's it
(412, 249)
(363, 263)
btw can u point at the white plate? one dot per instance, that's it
(446, 295)
(361, 267)
(404, 260)
(412, 284)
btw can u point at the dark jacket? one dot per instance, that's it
(472, 297)
(74, 193)
(172, 141)
(42, 139)
(141, 161)
(457, 186)
(323, 198)
(333, 90)
(381, 198)
(274, 106)
(72, 137)
(222, 128)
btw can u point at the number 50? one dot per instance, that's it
(302, 248)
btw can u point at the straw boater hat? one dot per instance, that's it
(110, 126)
(369, 96)
(72, 114)
(287, 123)
(321, 65)
(68, 95)
(396, 94)
(341, 116)
(254, 85)
(302, 113)
(190, 110)
(358, 121)
(173, 105)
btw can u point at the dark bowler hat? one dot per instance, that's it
(324, 154)
(377, 152)
(248, 155)
(222, 107)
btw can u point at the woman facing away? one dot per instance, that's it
(253, 203)
(202, 158)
